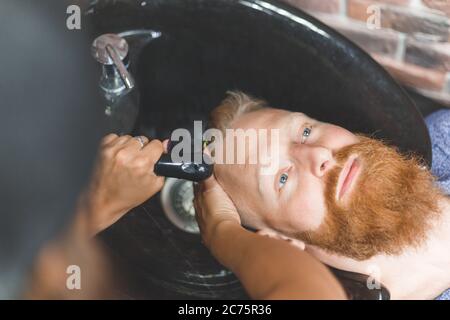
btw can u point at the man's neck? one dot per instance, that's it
(423, 272)
(417, 273)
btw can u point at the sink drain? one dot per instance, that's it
(177, 201)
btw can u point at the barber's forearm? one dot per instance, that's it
(88, 222)
(229, 244)
(272, 269)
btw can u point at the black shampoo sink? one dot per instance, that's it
(269, 50)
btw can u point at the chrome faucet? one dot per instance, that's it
(111, 51)
(117, 86)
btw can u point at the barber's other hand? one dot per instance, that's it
(123, 178)
(213, 207)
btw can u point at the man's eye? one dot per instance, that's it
(306, 133)
(283, 180)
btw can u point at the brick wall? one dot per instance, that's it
(410, 38)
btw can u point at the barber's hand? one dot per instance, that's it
(213, 207)
(123, 178)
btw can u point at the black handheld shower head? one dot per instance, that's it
(197, 167)
(183, 170)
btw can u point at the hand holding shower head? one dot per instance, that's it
(187, 170)
(183, 170)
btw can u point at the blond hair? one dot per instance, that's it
(235, 105)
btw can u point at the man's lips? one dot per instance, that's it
(347, 176)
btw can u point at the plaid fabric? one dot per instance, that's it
(439, 127)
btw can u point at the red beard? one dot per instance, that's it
(390, 207)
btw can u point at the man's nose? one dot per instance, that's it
(317, 159)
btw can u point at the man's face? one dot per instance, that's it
(292, 198)
(342, 192)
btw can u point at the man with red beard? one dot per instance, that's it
(351, 201)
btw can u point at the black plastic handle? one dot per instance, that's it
(183, 170)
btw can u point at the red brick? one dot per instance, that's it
(441, 5)
(415, 21)
(412, 75)
(383, 41)
(430, 55)
(357, 9)
(327, 6)
(404, 19)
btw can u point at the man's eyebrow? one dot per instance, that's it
(260, 178)
(260, 181)
(296, 118)
(292, 120)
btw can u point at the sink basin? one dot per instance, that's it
(199, 49)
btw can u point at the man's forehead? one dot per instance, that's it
(265, 118)
(268, 118)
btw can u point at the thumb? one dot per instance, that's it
(210, 183)
(166, 145)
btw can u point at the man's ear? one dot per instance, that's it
(267, 232)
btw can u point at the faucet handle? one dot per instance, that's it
(111, 50)
(123, 72)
